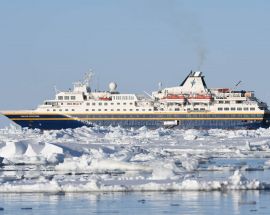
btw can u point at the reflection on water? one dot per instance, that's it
(233, 202)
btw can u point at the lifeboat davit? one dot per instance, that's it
(200, 98)
(174, 98)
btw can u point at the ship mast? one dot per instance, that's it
(87, 77)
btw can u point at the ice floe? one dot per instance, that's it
(118, 159)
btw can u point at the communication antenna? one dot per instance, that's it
(97, 83)
(239, 82)
(159, 86)
(148, 95)
(87, 77)
(56, 90)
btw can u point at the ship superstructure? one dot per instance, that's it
(190, 105)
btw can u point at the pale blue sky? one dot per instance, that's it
(135, 43)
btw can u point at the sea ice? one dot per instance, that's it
(119, 159)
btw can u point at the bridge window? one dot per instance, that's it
(60, 97)
(73, 97)
(66, 97)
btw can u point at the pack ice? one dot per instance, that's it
(117, 159)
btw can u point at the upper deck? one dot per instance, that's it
(192, 95)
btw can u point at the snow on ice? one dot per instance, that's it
(117, 159)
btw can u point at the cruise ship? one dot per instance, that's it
(190, 105)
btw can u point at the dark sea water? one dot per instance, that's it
(233, 202)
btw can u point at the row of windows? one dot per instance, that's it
(198, 108)
(176, 109)
(188, 109)
(56, 103)
(222, 102)
(61, 110)
(119, 110)
(66, 97)
(123, 97)
(72, 103)
(161, 109)
(233, 109)
(228, 102)
(104, 110)
(106, 103)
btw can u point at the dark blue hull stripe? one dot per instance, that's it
(185, 121)
(185, 124)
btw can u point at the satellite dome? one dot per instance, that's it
(112, 86)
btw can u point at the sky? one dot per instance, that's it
(136, 43)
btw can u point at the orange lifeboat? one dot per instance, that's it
(200, 98)
(174, 98)
(224, 90)
(105, 98)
